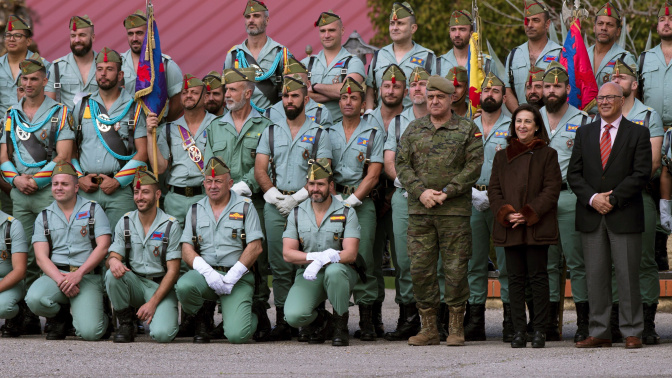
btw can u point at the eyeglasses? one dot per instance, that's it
(16, 36)
(609, 98)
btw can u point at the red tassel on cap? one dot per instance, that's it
(608, 10)
(212, 170)
(530, 81)
(315, 23)
(349, 90)
(667, 12)
(105, 57)
(394, 80)
(74, 24)
(207, 88)
(186, 83)
(10, 27)
(137, 184)
(526, 21)
(455, 82)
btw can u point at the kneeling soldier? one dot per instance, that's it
(331, 227)
(144, 264)
(222, 243)
(71, 239)
(13, 265)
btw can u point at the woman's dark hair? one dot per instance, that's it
(538, 121)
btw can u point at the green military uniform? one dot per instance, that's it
(315, 111)
(10, 298)
(9, 84)
(221, 247)
(655, 76)
(71, 248)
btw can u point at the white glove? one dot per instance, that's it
(480, 199)
(241, 189)
(665, 216)
(273, 195)
(322, 257)
(311, 271)
(286, 205)
(301, 195)
(353, 201)
(405, 194)
(214, 279)
(334, 255)
(232, 276)
(397, 183)
(339, 197)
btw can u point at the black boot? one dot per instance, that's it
(661, 251)
(519, 340)
(408, 324)
(539, 339)
(126, 331)
(341, 337)
(30, 323)
(263, 322)
(107, 309)
(202, 324)
(474, 329)
(14, 327)
(616, 335)
(368, 333)
(186, 325)
(320, 327)
(139, 325)
(649, 335)
(377, 316)
(507, 324)
(552, 333)
(530, 326)
(305, 332)
(282, 331)
(582, 314)
(443, 319)
(59, 323)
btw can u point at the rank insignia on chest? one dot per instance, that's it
(571, 128)
(337, 218)
(640, 122)
(335, 236)
(235, 216)
(418, 61)
(611, 63)
(83, 231)
(360, 157)
(305, 155)
(309, 138)
(362, 141)
(549, 58)
(340, 64)
(570, 143)
(501, 134)
(4, 255)
(82, 215)
(200, 239)
(43, 134)
(478, 135)
(606, 78)
(312, 118)
(156, 251)
(156, 236)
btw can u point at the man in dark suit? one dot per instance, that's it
(609, 167)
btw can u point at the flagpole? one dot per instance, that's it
(155, 157)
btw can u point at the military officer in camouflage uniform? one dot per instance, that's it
(221, 248)
(534, 87)
(328, 69)
(439, 204)
(460, 34)
(214, 94)
(71, 239)
(358, 163)
(604, 53)
(281, 169)
(322, 237)
(402, 51)
(234, 137)
(66, 83)
(144, 264)
(13, 264)
(655, 74)
(460, 79)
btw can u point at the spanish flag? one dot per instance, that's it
(476, 74)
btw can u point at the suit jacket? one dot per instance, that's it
(626, 173)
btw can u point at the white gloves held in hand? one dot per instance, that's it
(319, 260)
(241, 189)
(273, 196)
(288, 203)
(353, 201)
(213, 278)
(665, 216)
(480, 199)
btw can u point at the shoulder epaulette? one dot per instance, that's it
(234, 47)
(57, 60)
(10, 218)
(319, 105)
(172, 219)
(346, 204)
(166, 56)
(583, 113)
(128, 214)
(246, 199)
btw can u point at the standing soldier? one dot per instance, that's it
(74, 73)
(534, 87)
(281, 169)
(460, 34)
(13, 264)
(111, 140)
(214, 94)
(439, 207)
(604, 53)
(358, 163)
(234, 137)
(460, 79)
(328, 69)
(144, 264)
(402, 51)
(655, 81)
(71, 239)
(261, 52)
(136, 27)
(221, 244)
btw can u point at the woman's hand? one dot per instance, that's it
(515, 219)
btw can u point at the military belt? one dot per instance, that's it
(345, 189)
(287, 192)
(147, 277)
(71, 269)
(224, 269)
(187, 191)
(564, 186)
(481, 187)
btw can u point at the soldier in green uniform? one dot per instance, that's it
(538, 51)
(626, 77)
(562, 120)
(328, 69)
(71, 239)
(234, 137)
(331, 229)
(221, 244)
(317, 112)
(281, 168)
(38, 134)
(439, 207)
(604, 53)
(534, 87)
(111, 140)
(144, 264)
(267, 56)
(136, 27)
(460, 33)
(494, 125)
(654, 66)
(182, 145)
(214, 94)
(66, 83)
(460, 79)
(402, 51)
(357, 147)
(13, 264)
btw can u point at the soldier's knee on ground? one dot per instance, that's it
(8, 310)
(239, 335)
(162, 333)
(39, 305)
(295, 317)
(92, 332)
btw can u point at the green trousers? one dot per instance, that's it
(481, 228)
(44, 298)
(334, 282)
(283, 272)
(177, 205)
(384, 232)
(366, 293)
(115, 205)
(134, 291)
(402, 264)
(237, 317)
(569, 246)
(5, 203)
(26, 208)
(9, 300)
(263, 291)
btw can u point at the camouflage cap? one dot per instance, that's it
(293, 66)
(555, 73)
(460, 17)
(438, 83)
(216, 167)
(135, 20)
(491, 80)
(622, 68)
(327, 18)
(31, 65)
(401, 10)
(319, 169)
(609, 10)
(212, 80)
(234, 75)
(351, 85)
(17, 23)
(393, 73)
(419, 73)
(534, 7)
(143, 177)
(80, 22)
(292, 83)
(535, 74)
(191, 81)
(64, 168)
(458, 75)
(665, 9)
(108, 55)
(254, 6)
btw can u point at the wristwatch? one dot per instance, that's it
(445, 189)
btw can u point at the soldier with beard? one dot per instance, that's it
(655, 83)
(562, 120)
(460, 34)
(534, 87)
(214, 94)
(75, 73)
(460, 79)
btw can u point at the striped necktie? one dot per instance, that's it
(605, 145)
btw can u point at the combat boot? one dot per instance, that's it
(507, 324)
(126, 331)
(186, 325)
(202, 325)
(474, 327)
(616, 334)
(321, 327)
(14, 327)
(263, 323)
(341, 337)
(408, 324)
(377, 317)
(368, 333)
(649, 335)
(582, 314)
(59, 323)
(29, 322)
(429, 333)
(661, 251)
(282, 331)
(107, 310)
(456, 326)
(443, 320)
(552, 333)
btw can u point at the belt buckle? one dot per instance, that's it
(98, 180)
(187, 143)
(73, 268)
(188, 191)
